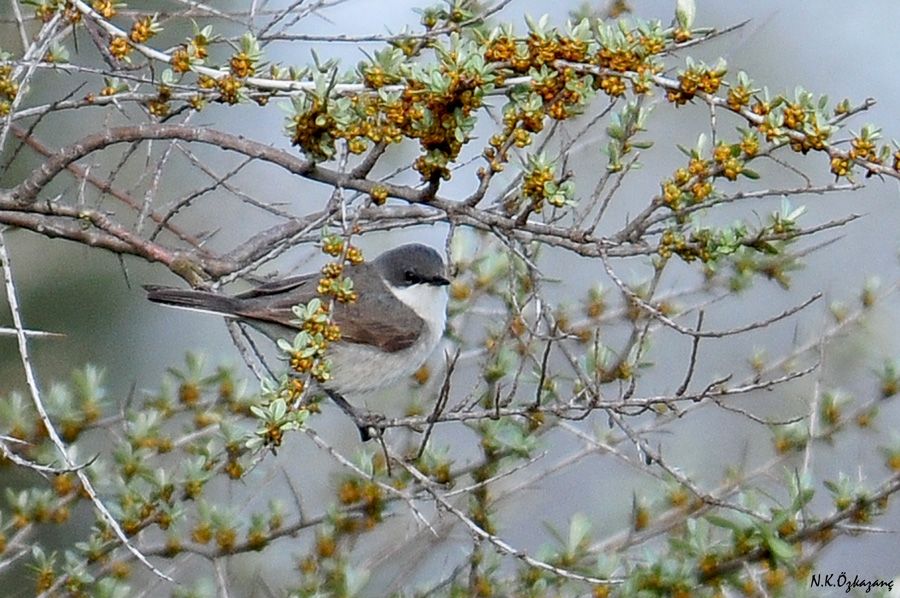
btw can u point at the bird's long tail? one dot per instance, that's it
(193, 300)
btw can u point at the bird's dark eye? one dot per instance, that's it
(410, 277)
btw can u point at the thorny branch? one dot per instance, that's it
(48, 425)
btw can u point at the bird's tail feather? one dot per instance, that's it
(194, 300)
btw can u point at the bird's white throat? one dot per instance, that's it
(429, 302)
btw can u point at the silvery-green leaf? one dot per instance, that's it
(685, 11)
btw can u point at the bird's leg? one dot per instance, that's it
(365, 422)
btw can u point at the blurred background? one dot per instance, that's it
(829, 47)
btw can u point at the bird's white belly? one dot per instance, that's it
(358, 369)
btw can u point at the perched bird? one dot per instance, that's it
(386, 334)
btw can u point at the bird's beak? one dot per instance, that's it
(440, 281)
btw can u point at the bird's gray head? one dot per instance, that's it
(410, 265)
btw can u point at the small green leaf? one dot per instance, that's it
(724, 523)
(781, 550)
(278, 408)
(579, 528)
(685, 12)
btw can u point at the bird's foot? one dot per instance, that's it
(370, 425)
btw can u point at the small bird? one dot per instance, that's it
(386, 334)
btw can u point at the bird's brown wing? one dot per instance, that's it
(379, 319)
(376, 318)
(304, 284)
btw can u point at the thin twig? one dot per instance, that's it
(31, 381)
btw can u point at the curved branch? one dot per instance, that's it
(26, 192)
